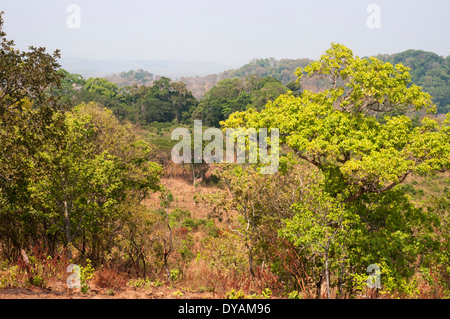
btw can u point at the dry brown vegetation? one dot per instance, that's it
(196, 279)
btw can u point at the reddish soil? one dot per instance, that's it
(59, 290)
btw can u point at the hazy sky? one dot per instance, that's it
(231, 32)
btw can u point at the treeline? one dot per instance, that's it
(164, 101)
(143, 98)
(428, 70)
(167, 101)
(139, 77)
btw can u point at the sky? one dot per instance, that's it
(230, 32)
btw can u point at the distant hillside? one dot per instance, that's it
(99, 68)
(428, 70)
(139, 77)
(282, 70)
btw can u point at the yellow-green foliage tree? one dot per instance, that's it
(26, 111)
(91, 177)
(361, 160)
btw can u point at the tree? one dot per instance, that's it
(234, 95)
(102, 87)
(183, 102)
(253, 206)
(435, 266)
(25, 74)
(27, 111)
(96, 171)
(428, 70)
(336, 130)
(319, 230)
(295, 87)
(219, 101)
(360, 159)
(267, 89)
(70, 84)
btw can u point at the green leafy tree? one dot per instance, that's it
(430, 71)
(234, 95)
(319, 230)
(267, 89)
(26, 112)
(164, 101)
(102, 86)
(336, 130)
(361, 160)
(28, 74)
(219, 101)
(96, 170)
(70, 85)
(260, 201)
(435, 267)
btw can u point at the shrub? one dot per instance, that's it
(213, 230)
(140, 283)
(110, 292)
(174, 274)
(38, 281)
(108, 278)
(235, 294)
(408, 188)
(190, 223)
(294, 295)
(86, 274)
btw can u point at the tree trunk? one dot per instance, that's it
(250, 260)
(193, 174)
(327, 274)
(167, 250)
(324, 286)
(68, 233)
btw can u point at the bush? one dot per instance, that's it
(140, 283)
(190, 223)
(177, 216)
(108, 278)
(408, 188)
(235, 294)
(38, 281)
(213, 230)
(174, 274)
(294, 295)
(86, 274)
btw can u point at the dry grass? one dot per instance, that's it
(183, 194)
(424, 188)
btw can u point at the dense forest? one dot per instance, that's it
(427, 70)
(143, 97)
(359, 207)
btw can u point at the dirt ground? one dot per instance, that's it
(59, 290)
